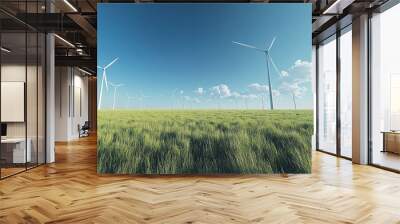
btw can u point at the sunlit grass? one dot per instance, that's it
(204, 141)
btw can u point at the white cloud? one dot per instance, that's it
(235, 95)
(249, 96)
(301, 63)
(276, 93)
(196, 100)
(284, 73)
(221, 90)
(297, 78)
(256, 87)
(296, 87)
(181, 92)
(199, 91)
(191, 99)
(300, 69)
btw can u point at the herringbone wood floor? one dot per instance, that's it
(70, 191)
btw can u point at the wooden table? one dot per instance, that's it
(391, 141)
(13, 150)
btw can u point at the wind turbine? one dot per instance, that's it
(173, 98)
(262, 101)
(116, 86)
(236, 104)
(130, 99)
(245, 98)
(104, 80)
(294, 99)
(140, 98)
(269, 59)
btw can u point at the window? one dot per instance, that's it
(346, 92)
(385, 89)
(22, 77)
(327, 95)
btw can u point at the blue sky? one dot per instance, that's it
(182, 55)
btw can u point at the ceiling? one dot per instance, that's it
(75, 21)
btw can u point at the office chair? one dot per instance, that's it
(84, 130)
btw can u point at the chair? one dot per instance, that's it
(84, 130)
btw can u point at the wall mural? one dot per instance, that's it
(204, 88)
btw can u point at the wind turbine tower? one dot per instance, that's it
(130, 100)
(294, 100)
(262, 101)
(116, 86)
(269, 60)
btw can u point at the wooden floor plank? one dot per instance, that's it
(70, 191)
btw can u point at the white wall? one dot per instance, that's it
(62, 81)
(79, 117)
(17, 73)
(33, 126)
(70, 83)
(14, 72)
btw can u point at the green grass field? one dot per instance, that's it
(204, 141)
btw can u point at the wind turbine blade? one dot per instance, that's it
(111, 63)
(274, 65)
(99, 67)
(272, 43)
(247, 45)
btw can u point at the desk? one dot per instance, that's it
(15, 148)
(391, 141)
